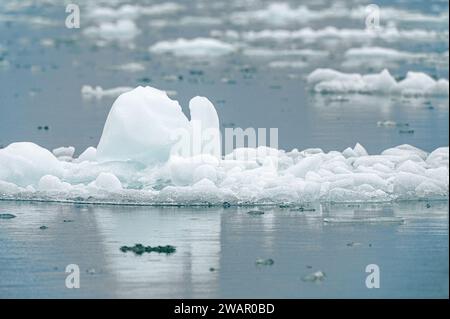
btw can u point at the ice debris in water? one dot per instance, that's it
(139, 161)
(122, 30)
(415, 83)
(264, 262)
(98, 92)
(198, 47)
(316, 276)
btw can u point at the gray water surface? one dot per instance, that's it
(412, 255)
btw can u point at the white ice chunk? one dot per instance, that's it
(139, 127)
(360, 150)
(64, 151)
(146, 126)
(415, 83)
(90, 154)
(52, 183)
(108, 182)
(25, 163)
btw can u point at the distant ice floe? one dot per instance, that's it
(383, 53)
(308, 35)
(129, 67)
(129, 11)
(98, 92)
(288, 64)
(381, 57)
(414, 84)
(136, 163)
(121, 30)
(197, 47)
(187, 21)
(270, 52)
(283, 14)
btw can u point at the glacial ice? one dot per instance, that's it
(137, 161)
(146, 126)
(414, 84)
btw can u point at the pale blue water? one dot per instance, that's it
(412, 256)
(40, 86)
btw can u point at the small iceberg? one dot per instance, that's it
(150, 153)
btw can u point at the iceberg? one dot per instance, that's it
(146, 126)
(414, 84)
(150, 153)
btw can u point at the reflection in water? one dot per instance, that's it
(217, 250)
(195, 235)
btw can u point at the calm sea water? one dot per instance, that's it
(40, 86)
(412, 256)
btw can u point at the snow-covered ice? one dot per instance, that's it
(135, 163)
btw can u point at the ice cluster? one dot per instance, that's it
(415, 83)
(137, 161)
(283, 14)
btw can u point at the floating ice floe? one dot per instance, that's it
(198, 47)
(185, 22)
(288, 64)
(98, 92)
(128, 11)
(380, 57)
(129, 67)
(283, 14)
(122, 30)
(381, 53)
(138, 161)
(269, 52)
(309, 35)
(414, 84)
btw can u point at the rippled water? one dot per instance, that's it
(412, 255)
